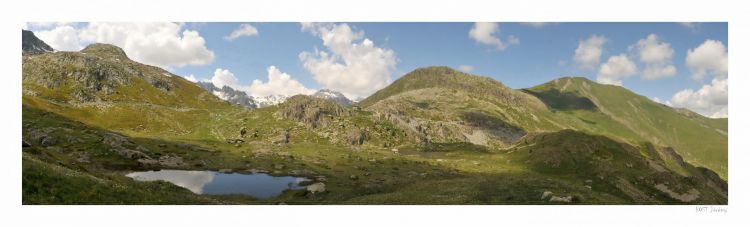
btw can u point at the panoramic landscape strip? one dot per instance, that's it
(375, 113)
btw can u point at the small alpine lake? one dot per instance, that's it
(258, 185)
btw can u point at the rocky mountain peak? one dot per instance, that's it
(105, 50)
(332, 95)
(32, 45)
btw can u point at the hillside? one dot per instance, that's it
(619, 113)
(442, 105)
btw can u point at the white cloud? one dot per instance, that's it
(243, 30)
(710, 58)
(279, 83)
(657, 57)
(353, 67)
(488, 33)
(466, 68)
(615, 69)
(224, 77)
(191, 78)
(63, 38)
(162, 44)
(710, 100)
(589, 52)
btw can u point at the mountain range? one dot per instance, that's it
(243, 99)
(433, 136)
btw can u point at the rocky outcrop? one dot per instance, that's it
(316, 188)
(313, 112)
(96, 73)
(282, 138)
(122, 146)
(355, 136)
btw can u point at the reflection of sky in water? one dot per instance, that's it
(258, 185)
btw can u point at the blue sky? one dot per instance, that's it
(530, 54)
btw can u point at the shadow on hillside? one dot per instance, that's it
(563, 101)
(497, 127)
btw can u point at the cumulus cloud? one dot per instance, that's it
(64, 38)
(488, 33)
(656, 56)
(161, 44)
(615, 69)
(710, 58)
(351, 63)
(243, 30)
(710, 100)
(279, 83)
(466, 68)
(224, 77)
(589, 52)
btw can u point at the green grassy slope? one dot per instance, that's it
(620, 113)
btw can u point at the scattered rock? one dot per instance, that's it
(162, 145)
(235, 141)
(278, 166)
(689, 196)
(321, 178)
(48, 141)
(561, 199)
(144, 161)
(355, 136)
(83, 158)
(282, 138)
(394, 150)
(243, 131)
(546, 195)
(476, 163)
(353, 177)
(316, 188)
(171, 160)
